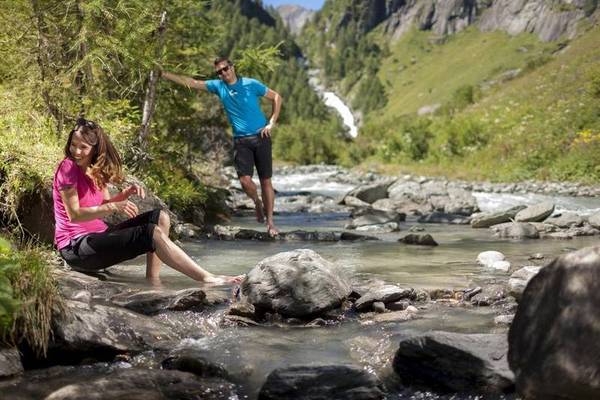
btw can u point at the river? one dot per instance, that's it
(252, 353)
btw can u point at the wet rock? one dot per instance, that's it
(536, 256)
(297, 283)
(543, 227)
(454, 362)
(380, 228)
(490, 294)
(77, 383)
(10, 362)
(379, 307)
(564, 296)
(375, 217)
(245, 310)
(402, 190)
(321, 382)
(487, 258)
(469, 293)
(565, 220)
(594, 220)
(437, 294)
(236, 233)
(187, 231)
(535, 213)
(559, 236)
(238, 320)
(398, 305)
(515, 230)
(151, 302)
(193, 360)
(419, 239)
(458, 202)
(73, 285)
(519, 280)
(395, 316)
(317, 322)
(444, 218)
(504, 319)
(355, 202)
(371, 193)
(385, 294)
(485, 220)
(83, 330)
(501, 266)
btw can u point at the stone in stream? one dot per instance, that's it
(374, 217)
(419, 239)
(565, 220)
(519, 280)
(194, 360)
(487, 258)
(554, 347)
(535, 213)
(83, 330)
(515, 230)
(10, 362)
(379, 228)
(355, 202)
(298, 284)
(489, 295)
(487, 219)
(150, 302)
(455, 362)
(594, 220)
(385, 294)
(237, 233)
(444, 218)
(372, 192)
(318, 382)
(94, 382)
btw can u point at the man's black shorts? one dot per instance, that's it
(122, 242)
(249, 151)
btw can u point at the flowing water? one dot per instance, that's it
(251, 353)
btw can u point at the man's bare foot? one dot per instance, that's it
(260, 214)
(272, 231)
(224, 279)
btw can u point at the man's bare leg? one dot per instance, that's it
(268, 195)
(252, 192)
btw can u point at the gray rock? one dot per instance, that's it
(443, 218)
(221, 232)
(455, 362)
(398, 305)
(519, 280)
(460, 202)
(371, 193)
(150, 302)
(242, 309)
(553, 339)
(395, 316)
(489, 295)
(321, 382)
(385, 294)
(485, 220)
(380, 228)
(297, 283)
(487, 258)
(355, 202)
(10, 362)
(535, 213)
(594, 220)
(419, 239)
(504, 319)
(379, 307)
(375, 217)
(515, 230)
(193, 360)
(73, 285)
(131, 383)
(406, 190)
(565, 220)
(97, 331)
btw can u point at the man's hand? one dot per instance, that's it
(266, 131)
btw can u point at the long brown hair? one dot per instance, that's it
(106, 166)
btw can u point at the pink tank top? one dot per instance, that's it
(68, 174)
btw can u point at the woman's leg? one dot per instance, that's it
(152, 261)
(177, 259)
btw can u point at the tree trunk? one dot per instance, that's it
(150, 100)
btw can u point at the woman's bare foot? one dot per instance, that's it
(224, 279)
(260, 214)
(272, 231)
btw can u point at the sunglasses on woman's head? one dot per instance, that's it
(224, 69)
(86, 123)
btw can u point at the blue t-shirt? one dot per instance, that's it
(241, 102)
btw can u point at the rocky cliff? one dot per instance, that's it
(294, 17)
(548, 19)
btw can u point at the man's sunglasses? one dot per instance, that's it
(224, 69)
(86, 123)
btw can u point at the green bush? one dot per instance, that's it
(8, 303)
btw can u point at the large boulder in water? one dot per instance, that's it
(487, 219)
(372, 192)
(535, 213)
(321, 382)
(553, 341)
(299, 284)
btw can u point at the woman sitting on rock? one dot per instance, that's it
(81, 199)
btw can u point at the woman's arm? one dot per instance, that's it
(123, 194)
(76, 213)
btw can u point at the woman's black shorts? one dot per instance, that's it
(122, 242)
(249, 151)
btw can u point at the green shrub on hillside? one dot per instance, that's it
(8, 303)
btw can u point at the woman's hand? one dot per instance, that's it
(134, 189)
(126, 207)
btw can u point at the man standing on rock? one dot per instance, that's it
(251, 130)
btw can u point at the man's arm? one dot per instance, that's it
(184, 80)
(277, 100)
